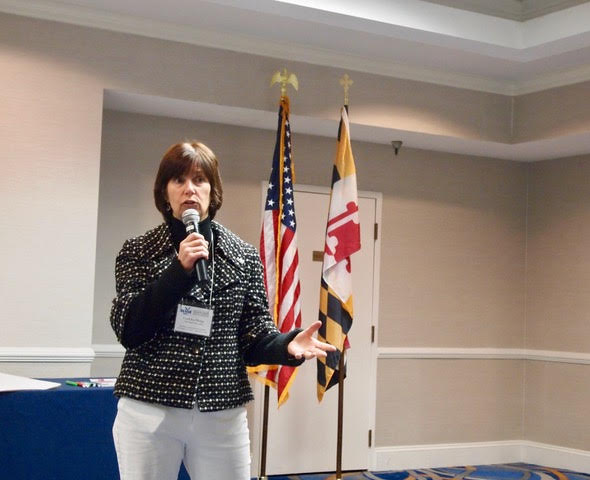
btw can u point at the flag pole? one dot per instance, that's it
(284, 79)
(340, 416)
(262, 475)
(346, 82)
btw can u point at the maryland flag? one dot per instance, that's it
(279, 254)
(342, 240)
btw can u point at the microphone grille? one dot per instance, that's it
(190, 216)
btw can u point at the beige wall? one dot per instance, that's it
(556, 409)
(447, 401)
(453, 251)
(552, 113)
(132, 147)
(558, 255)
(53, 79)
(453, 239)
(50, 129)
(458, 268)
(558, 300)
(181, 71)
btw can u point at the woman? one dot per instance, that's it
(183, 381)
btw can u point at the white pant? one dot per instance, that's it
(152, 440)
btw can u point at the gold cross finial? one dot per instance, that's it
(346, 82)
(284, 79)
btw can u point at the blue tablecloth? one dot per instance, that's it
(59, 434)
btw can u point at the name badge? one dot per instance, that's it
(193, 320)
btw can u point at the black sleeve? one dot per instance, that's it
(272, 350)
(141, 308)
(150, 309)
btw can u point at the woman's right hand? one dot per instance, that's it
(193, 247)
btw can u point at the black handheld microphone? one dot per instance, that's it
(191, 220)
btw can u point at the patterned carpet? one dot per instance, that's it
(507, 471)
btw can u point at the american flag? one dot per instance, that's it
(278, 250)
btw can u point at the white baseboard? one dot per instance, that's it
(479, 453)
(558, 457)
(446, 455)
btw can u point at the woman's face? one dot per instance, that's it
(191, 190)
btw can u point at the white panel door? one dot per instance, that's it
(302, 434)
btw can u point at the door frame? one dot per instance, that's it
(256, 413)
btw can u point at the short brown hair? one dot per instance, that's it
(181, 159)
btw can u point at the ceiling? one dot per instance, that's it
(520, 10)
(502, 46)
(442, 41)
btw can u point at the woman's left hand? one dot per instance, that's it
(304, 345)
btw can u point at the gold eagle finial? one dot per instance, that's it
(284, 78)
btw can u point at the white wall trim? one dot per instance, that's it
(446, 455)
(46, 355)
(556, 456)
(113, 350)
(562, 357)
(483, 353)
(60, 354)
(87, 355)
(479, 453)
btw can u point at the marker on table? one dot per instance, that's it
(82, 384)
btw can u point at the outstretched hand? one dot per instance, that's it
(304, 345)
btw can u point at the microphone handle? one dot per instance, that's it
(201, 270)
(201, 263)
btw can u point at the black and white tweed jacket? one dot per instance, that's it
(183, 370)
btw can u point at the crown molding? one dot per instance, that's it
(508, 9)
(554, 80)
(535, 8)
(44, 10)
(47, 10)
(545, 149)
(519, 11)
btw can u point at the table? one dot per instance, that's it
(59, 434)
